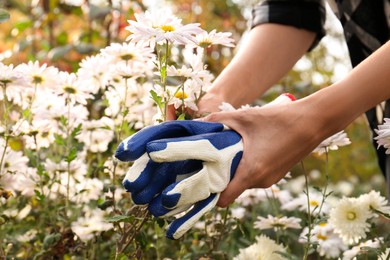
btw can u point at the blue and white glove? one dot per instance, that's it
(179, 165)
(146, 178)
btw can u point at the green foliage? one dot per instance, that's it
(4, 16)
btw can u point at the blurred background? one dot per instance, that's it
(63, 32)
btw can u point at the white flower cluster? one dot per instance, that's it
(110, 93)
(344, 225)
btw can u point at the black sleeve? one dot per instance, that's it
(304, 14)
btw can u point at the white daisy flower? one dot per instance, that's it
(333, 143)
(39, 75)
(128, 52)
(238, 212)
(360, 249)
(13, 161)
(12, 82)
(386, 254)
(301, 203)
(161, 25)
(383, 135)
(186, 97)
(264, 248)
(97, 134)
(89, 225)
(330, 244)
(70, 88)
(94, 72)
(184, 71)
(349, 218)
(373, 200)
(277, 223)
(207, 39)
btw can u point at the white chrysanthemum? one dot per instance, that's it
(301, 203)
(349, 218)
(206, 39)
(39, 134)
(186, 98)
(70, 88)
(161, 25)
(360, 249)
(42, 76)
(184, 71)
(12, 82)
(128, 52)
(13, 161)
(386, 254)
(264, 249)
(91, 224)
(51, 108)
(373, 200)
(383, 135)
(94, 72)
(28, 236)
(24, 181)
(238, 212)
(97, 134)
(88, 190)
(277, 223)
(333, 143)
(329, 243)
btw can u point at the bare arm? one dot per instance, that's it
(268, 54)
(277, 137)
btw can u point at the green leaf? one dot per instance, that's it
(76, 131)
(72, 155)
(120, 218)
(58, 139)
(182, 117)
(85, 48)
(51, 240)
(106, 204)
(59, 52)
(156, 98)
(4, 16)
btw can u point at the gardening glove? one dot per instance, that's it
(146, 178)
(220, 154)
(205, 171)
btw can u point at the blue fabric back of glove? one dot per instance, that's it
(133, 147)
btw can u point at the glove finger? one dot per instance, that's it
(181, 225)
(164, 174)
(139, 174)
(133, 147)
(205, 147)
(156, 208)
(186, 192)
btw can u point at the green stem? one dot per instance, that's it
(68, 144)
(324, 195)
(309, 220)
(6, 134)
(164, 80)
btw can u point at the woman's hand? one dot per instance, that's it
(275, 139)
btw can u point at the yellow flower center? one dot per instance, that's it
(181, 95)
(127, 56)
(351, 215)
(321, 237)
(323, 224)
(167, 28)
(205, 43)
(314, 203)
(70, 90)
(37, 79)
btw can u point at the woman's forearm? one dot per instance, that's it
(365, 86)
(268, 54)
